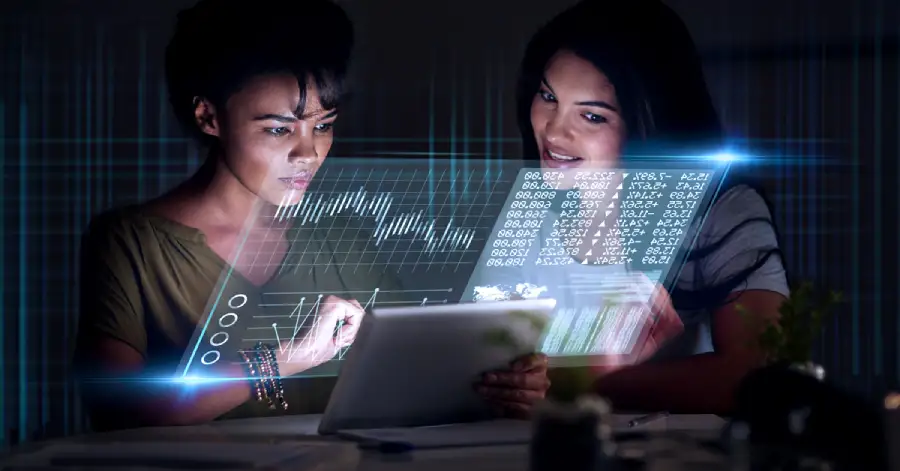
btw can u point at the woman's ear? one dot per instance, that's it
(205, 116)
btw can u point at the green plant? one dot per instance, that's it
(790, 338)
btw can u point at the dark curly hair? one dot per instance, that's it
(218, 45)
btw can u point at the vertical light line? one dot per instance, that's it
(466, 86)
(110, 112)
(499, 132)
(897, 133)
(877, 190)
(488, 142)
(77, 134)
(88, 130)
(99, 103)
(3, 318)
(70, 248)
(23, 283)
(141, 84)
(811, 151)
(431, 112)
(855, 178)
(46, 317)
(453, 98)
(164, 148)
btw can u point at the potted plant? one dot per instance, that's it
(568, 384)
(571, 422)
(788, 341)
(774, 400)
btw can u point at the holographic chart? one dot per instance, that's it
(405, 232)
(598, 242)
(388, 232)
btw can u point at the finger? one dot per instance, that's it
(357, 304)
(355, 312)
(322, 331)
(537, 381)
(347, 335)
(524, 396)
(533, 361)
(667, 322)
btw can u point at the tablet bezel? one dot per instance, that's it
(450, 328)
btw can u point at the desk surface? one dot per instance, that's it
(330, 454)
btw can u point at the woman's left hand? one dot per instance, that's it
(514, 391)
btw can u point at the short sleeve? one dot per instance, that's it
(110, 296)
(742, 220)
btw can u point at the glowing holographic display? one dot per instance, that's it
(383, 232)
(597, 241)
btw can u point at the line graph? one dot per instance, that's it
(417, 215)
(362, 203)
(303, 309)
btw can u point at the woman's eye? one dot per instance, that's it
(547, 96)
(594, 118)
(324, 127)
(278, 131)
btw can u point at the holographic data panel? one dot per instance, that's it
(385, 232)
(595, 241)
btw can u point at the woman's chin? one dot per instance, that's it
(283, 198)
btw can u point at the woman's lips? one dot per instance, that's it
(559, 160)
(298, 181)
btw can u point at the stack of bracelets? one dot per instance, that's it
(262, 370)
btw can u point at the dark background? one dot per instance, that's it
(811, 85)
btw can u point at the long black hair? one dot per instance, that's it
(647, 53)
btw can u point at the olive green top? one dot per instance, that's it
(148, 281)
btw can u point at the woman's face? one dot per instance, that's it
(273, 148)
(575, 116)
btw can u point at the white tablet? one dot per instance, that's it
(416, 366)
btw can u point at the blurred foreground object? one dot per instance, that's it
(573, 436)
(789, 408)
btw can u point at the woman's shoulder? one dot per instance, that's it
(127, 230)
(135, 222)
(739, 205)
(116, 221)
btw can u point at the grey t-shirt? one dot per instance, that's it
(578, 288)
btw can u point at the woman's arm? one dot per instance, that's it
(702, 383)
(121, 386)
(705, 383)
(122, 392)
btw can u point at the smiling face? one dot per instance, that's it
(576, 118)
(269, 144)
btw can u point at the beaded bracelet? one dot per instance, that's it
(255, 376)
(262, 369)
(267, 353)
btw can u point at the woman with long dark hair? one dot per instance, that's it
(606, 79)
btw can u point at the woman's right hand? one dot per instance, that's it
(334, 328)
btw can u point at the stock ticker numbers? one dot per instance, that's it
(636, 217)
